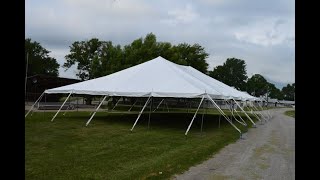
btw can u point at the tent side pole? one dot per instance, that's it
(61, 107)
(133, 105)
(95, 106)
(140, 113)
(268, 115)
(150, 112)
(66, 111)
(264, 117)
(255, 114)
(232, 114)
(240, 117)
(244, 112)
(158, 105)
(194, 116)
(116, 104)
(34, 104)
(203, 111)
(77, 104)
(44, 109)
(96, 110)
(167, 105)
(224, 115)
(68, 106)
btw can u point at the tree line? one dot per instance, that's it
(95, 58)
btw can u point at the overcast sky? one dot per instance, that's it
(260, 32)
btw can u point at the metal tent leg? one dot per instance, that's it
(150, 112)
(202, 117)
(61, 107)
(140, 113)
(224, 115)
(34, 104)
(194, 116)
(231, 110)
(254, 124)
(264, 117)
(95, 110)
(133, 104)
(116, 104)
(96, 105)
(158, 105)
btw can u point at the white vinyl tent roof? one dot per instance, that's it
(157, 78)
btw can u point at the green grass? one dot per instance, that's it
(106, 149)
(291, 113)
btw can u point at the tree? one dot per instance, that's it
(289, 92)
(195, 56)
(145, 49)
(84, 53)
(95, 58)
(274, 92)
(39, 61)
(257, 85)
(233, 73)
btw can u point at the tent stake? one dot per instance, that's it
(95, 110)
(61, 107)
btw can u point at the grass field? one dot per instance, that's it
(291, 113)
(106, 149)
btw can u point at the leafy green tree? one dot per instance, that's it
(145, 49)
(274, 92)
(95, 58)
(194, 56)
(257, 85)
(85, 54)
(39, 61)
(289, 92)
(233, 73)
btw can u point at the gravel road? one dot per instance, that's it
(265, 152)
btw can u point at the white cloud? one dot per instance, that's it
(260, 32)
(267, 32)
(185, 15)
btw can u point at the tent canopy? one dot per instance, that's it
(157, 78)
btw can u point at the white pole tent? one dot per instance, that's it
(227, 91)
(155, 78)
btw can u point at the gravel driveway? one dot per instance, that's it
(266, 152)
